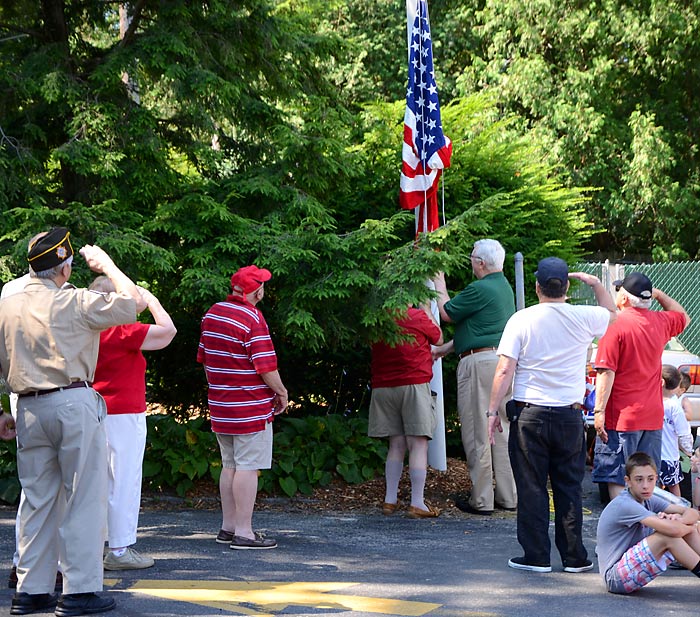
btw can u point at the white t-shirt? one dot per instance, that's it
(550, 343)
(675, 427)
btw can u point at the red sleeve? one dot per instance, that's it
(608, 353)
(261, 351)
(428, 327)
(675, 321)
(129, 337)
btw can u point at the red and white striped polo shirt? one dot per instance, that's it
(235, 348)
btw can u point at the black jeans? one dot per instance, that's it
(549, 443)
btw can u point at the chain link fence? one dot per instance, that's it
(679, 279)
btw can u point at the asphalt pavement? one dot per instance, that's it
(363, 565)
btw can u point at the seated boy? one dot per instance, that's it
(639, 534)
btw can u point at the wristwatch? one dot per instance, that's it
(491, 414)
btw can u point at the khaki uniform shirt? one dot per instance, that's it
(49, 337)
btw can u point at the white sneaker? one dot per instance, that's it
(130, 560)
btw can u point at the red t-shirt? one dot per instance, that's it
(235, 348)
(120, 375)
(632, 347)
(410, 363)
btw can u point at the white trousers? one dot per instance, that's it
(126, 443)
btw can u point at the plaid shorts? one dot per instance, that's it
(638, 567)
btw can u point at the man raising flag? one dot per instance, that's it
(426, 150)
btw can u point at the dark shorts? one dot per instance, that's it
(670, 473)
(609, 459)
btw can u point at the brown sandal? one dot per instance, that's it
(431, 512)
(389, 508)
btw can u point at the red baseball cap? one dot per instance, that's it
(249, 278)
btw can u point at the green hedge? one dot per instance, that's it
(308, 452)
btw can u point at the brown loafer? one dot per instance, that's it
(431, 512)
(389, 508)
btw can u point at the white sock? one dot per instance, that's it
(118, 552)
(392, 472)
(418, 475)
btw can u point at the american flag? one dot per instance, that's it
(426, 150)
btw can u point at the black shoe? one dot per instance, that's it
(72, 604)
(578, 566)
(464, 505)
(519, 563)
(499, 507)
(26, 603)
(12, 580)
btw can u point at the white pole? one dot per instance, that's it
(437, 446)
(519, 282)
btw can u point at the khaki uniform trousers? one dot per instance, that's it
(62, 465)
(474, 380)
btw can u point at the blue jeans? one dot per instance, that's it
(610, 458)
(549, 443)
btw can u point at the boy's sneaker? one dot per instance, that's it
(130, 560)
(579, 566)
(519, 563)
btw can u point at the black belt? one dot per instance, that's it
(470, 352)
(576, 406)
(75, 384)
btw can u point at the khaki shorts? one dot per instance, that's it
(402, 410)
(248, 452)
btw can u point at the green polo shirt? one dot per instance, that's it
(480, 312)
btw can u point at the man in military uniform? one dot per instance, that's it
(49, 338)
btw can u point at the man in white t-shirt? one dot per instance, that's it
(543, 354)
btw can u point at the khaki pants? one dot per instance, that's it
(474, 379)
(62, 464)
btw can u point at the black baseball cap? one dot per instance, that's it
(637, 284)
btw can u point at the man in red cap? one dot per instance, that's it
(629, 409)
(245, 393)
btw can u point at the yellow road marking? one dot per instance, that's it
(259, 598)
(585, 510)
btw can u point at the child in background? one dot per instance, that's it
(695, 474)
(676, 430)
(685, 402)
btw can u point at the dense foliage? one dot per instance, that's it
(211, 135)
(190, 138)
